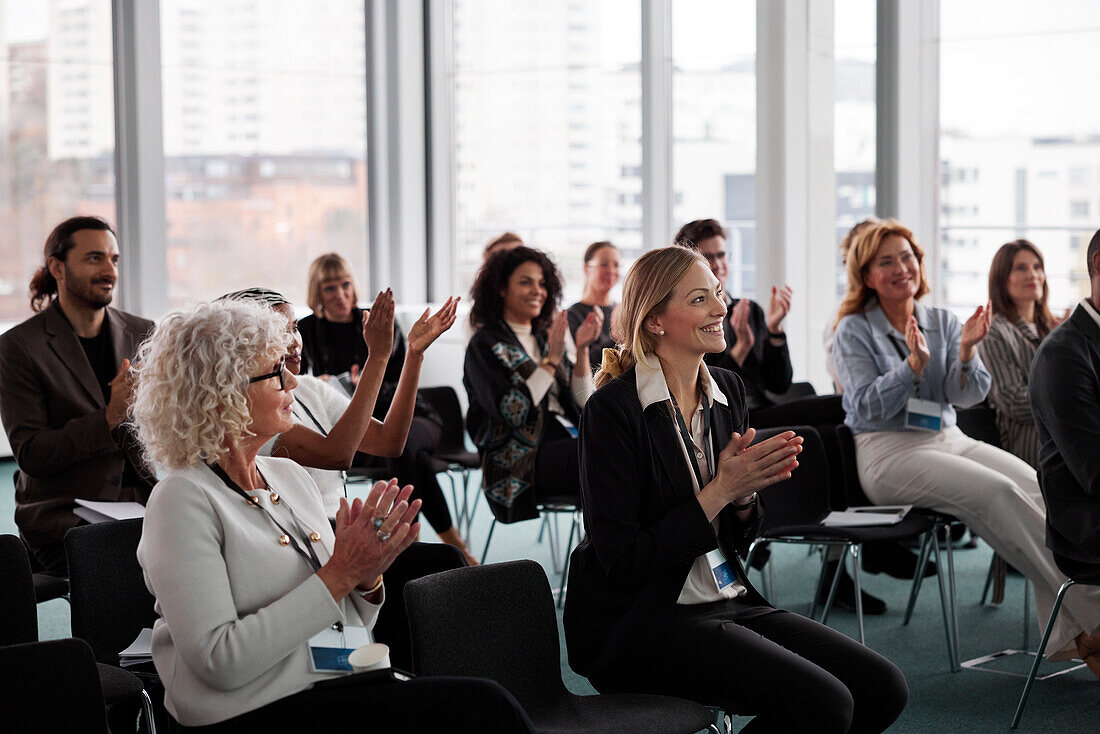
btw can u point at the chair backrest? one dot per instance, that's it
(392, 625)
(980, 423)
(495, 621)
(794, 392)
(852, 488)
(51, 686)
(110, 602)
(445, 401)
(804, 498)
(17, 604)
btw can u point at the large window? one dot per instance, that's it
(265, 142)
(56, 130)
(547, 128)
(1019, 141)
(714, 125)
(854, 117)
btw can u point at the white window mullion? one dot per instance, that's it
(139, 157)
(657, 193)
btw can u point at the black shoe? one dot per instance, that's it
(846, 593)
(894, 560)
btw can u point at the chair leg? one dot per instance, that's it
(1027, 613)
(953, 595)
(147, 712)
(946, 606)
(836, 582)
(555, 540)
(473, 509)
(859, 591)
(1040, 651)
(484, 553)
(565, 565)
(922, 562)
(820, 581)
(989, 581)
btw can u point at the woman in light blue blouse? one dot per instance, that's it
(902, 365)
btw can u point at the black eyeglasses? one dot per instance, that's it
(280, 373)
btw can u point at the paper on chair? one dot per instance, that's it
(867, 516)
(94, 512)
(140, 650)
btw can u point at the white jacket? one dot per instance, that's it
(237, 608)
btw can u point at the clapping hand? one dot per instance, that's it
(427, 329)
(556, 339)
(743, 469)
(378, 326)
(742, 330)
(369, 536)
(918, 346)
(589, 331)
(974, 330)
(122, 392)
(778, 308)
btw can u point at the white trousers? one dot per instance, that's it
(992, 491)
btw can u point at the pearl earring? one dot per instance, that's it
(661, 332)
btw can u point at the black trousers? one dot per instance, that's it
(791, 673)
(474, 705)
(557, 464)
(414, 466)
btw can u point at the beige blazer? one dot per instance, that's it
(237, 608)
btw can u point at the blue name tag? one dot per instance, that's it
(329, 650)
(721, 569)
(924, 415)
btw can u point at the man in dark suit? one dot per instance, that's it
(65, 386)
(1064, 392)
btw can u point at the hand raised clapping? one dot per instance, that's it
(743, 468)
(378, 326)
(974, 330)
(369, 536)
(589, 331)
(918, 346)
(427, 329)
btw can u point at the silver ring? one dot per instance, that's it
(383, 537)
(377, 522)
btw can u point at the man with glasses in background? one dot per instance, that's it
(65, 387)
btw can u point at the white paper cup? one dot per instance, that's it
(370, 657)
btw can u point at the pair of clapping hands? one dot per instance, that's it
(743, 468)
(378, 328)
(370, 534)
(587, 333)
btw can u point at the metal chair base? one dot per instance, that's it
(976, 663)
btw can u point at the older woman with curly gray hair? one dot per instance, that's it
(260, 599)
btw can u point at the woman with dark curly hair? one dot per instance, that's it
(525, 386)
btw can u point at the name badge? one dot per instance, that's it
(924, 415)
(329, 650)
(567, 425)
(720, 569)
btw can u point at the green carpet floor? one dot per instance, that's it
(939, 701)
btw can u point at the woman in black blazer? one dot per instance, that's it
(645, 612)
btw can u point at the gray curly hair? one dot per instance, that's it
(191, 399)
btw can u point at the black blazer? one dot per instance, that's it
(644, 527)
(767, 366)
(1064, 390)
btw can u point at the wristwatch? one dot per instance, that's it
(746, 505)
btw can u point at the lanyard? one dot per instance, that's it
(312, 417)
(689, 444)
(311, 556)
(894, 344)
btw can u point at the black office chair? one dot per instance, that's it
(51, 687)
(452, 455)
(451, 616)
(793, 513)
(110, 603)
(20, 615)
(46, 586)
(392, 624)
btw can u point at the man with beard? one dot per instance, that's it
(65, 386)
